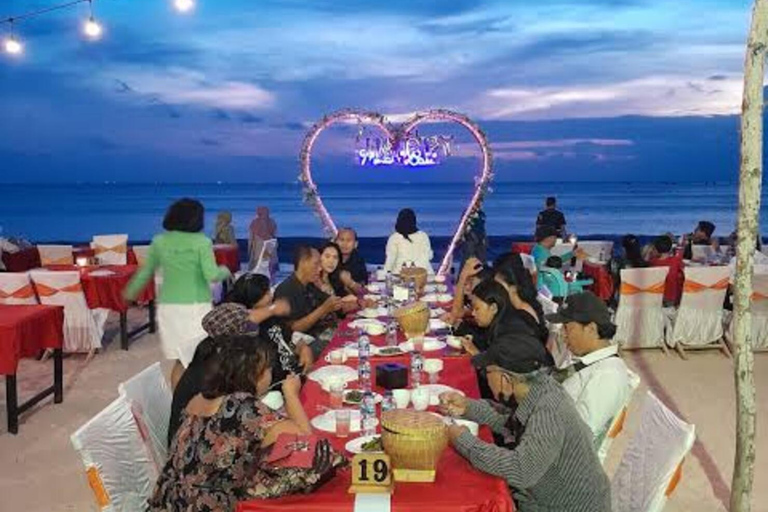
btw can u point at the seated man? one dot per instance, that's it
(702, 235)
(312, 311)
(553, 465)
(351, 261)
(600, 385)
(673, 287)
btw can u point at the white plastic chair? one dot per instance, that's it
(601, 250)
(151, 398)
(140, 251)
(55, 255)
(119, 469)
(702, 252)
(264, 263)
(651, 466)
(111, 249)
(619, 419)
(16, 289)
(83, 327)
(640, 319)
(698, 321)
(759, 309)
(560, 249)
(529, 263)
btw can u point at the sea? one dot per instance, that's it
(74, 212)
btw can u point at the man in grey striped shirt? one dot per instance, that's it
(553, 467)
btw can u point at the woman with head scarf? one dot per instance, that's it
(262, 228)
(224, 233)
(408, 245)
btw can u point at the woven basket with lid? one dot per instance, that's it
(413, 319)
(416, 274)
(415, 442)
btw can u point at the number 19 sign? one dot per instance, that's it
(371, 473)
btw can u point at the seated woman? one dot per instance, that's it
(334, 281)
(218, 456)
(553, 465)
(408, 245)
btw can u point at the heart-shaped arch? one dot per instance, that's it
(395, 133)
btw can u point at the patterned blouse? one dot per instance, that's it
(216, 461)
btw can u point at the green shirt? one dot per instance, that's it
(188, 266)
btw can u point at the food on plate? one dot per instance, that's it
(374, 445)
(390, 351)
(353, 397)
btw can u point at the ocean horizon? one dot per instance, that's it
(75, 212)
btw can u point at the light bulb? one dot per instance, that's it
(13, 46)
(92, 29)
(184, 5)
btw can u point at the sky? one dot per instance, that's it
(566, 90)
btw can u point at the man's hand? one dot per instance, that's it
(453, 404)
(454, 431)
(306, 359)
(332, 305)
(281, 307)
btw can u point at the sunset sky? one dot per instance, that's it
(568, 90)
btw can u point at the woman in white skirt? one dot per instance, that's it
(185, 257)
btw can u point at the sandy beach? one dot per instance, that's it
(40, 471)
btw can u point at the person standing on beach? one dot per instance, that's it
(550, 216)
(408, 245)
(262, 228)
(224, 233)
(185, 256)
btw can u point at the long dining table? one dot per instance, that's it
(458, 486)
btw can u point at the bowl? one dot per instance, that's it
(454, 342)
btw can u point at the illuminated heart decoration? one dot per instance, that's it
(396, 133)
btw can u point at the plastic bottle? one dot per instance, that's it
(388, 402)
(391, 334)
(368, 414)
(364, 373)
(417, 365)
(364, 347)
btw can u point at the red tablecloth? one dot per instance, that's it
(522, 247)
(603, 282)
(88, 252)
(229, 256)
(107, 291)
(458, 487)
(26, 330)
(21, 261)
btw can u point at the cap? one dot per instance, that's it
(545, 232)
(584, 308)
(228, 319)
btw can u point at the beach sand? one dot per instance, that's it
(40, 471)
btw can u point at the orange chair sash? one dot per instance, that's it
(676, 477)
(631, 289)
(618, 426)
(119, 249)
(756, 296)
(694, 287)
(48, 291)
(25, 292)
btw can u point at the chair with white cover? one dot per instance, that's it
(698, 322)
(652, 464)
(140, 251)
(640, 319)
(55, 255)
(151, 397)
(83, 327)
(111, 249)
(560, 249)
(264, 263)
(529, 263)
(556, 341)
(118, 467)
(600, 249)
(702, 253)
(759, 310)
(16, 289)
(619, 419)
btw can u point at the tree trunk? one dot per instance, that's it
(750, 184)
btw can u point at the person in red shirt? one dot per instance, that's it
(673, 288)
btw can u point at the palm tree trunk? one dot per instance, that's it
(750, 184)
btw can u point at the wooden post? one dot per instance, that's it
(750, 184)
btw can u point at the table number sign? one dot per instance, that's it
(371, 473)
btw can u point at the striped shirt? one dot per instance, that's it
(554, 467)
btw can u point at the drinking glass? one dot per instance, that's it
(343, 421)
(418, 344)
(336, 393)
(434, 377)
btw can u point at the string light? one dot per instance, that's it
(91, 28)
(11, 45)
(184, 6)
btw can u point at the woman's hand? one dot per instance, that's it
(471, 268)
(454, 431)
(453, 404)
(448, 319)
(292, 386)
(469, 345)
(306, 359)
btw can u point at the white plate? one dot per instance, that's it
(375, 288)
(372, 313)
(334, 371)
(361, 323)
(356, 445)
(435, 390)
(437, 312)
(432, 288)
(372, 297)
(440, 298)
(471, 425)
(436, 324)
(430, 344)
(327, 421)
(101, 273)
(377, 398)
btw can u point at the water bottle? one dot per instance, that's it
(388, 402)
(417, 365)
(364, 347)
(364, 373)
(368, 414)
(602, 254)
(411, 291)
(388, 284)
(391, 334)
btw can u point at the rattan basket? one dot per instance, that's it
(416, 274)
(413, 319)
(414, 442)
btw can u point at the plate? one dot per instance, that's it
(333, 371)
(437, 312)
(432, 288)
(373, 297)
(101, 273)
(377, 398)
(372, 313)
(430, 344)
(390, 351)
(327, 421)
(435, 324)
(375, 288)
(356, 445)
(472, 426)
(435, 390)
(361, 323)
(439, 298)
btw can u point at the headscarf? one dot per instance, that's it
(406, 223)
(263, 226)
(223, 230)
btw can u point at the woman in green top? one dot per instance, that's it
(185, 257)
